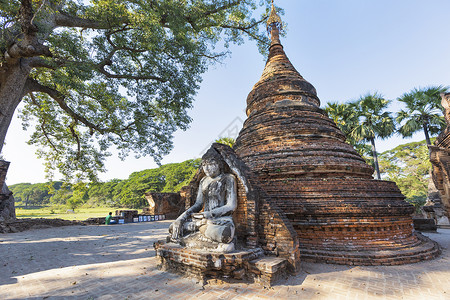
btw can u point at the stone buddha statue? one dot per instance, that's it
(208, 224)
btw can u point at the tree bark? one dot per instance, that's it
(12, 89)
(375, 158)
(427, 136)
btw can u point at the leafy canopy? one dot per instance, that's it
(363, 121)
(373, 119)
(408, 165)
(116, 73)
(423, 112)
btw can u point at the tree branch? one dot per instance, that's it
(60, 99)
(192, 20)
(246, 29)
(115, 47)
(221, 8)
(102, 70)
(44, 131)
(24, 49)
(26, 17)
(77, 138)
(63, 19)
(34, 86)
(38, 62)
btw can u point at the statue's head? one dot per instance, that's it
(212, 163)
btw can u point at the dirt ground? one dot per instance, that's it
(118, 262)
(37, 223)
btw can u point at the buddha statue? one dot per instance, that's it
(208, 224)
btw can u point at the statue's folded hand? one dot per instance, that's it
(175, 229)
(203, 215)
(198, 216)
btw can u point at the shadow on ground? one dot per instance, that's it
(45, 249)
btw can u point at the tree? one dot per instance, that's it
(346, 118)
(373, 122)
(34, 194)
(79, 195)
(60, 193)
(423, 112)
(20, 191)
(99, 73)
(226, 141)
(408, 166)
(101, 193)
(178, 175)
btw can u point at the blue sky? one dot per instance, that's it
(345, 48)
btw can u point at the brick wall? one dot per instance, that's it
(169, 204)
(440, 159)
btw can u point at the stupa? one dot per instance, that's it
(323, 186)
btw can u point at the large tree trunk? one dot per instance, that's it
(13, 78)
(12, 90)
(375, 158)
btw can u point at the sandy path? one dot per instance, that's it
(117, 262)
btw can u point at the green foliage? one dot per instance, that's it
(167, 178)
(408, 165)
(363, 121)
(102, 194)
(31, 194)
(79, 196)
(373, 119)
(114, 193)
(178, 175)
(60, 195)
(346, 118)
(423, 112)
(120, 73)
(226, 141)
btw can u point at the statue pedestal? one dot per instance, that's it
(241, 265)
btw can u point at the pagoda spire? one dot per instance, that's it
(274, 26)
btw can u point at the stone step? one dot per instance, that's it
(269, 269)
(269, 264)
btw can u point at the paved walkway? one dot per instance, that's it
(117, 262)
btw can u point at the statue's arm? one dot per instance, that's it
(176, 227)
(194, 208)
(231, 199)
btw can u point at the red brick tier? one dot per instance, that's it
(320, 182)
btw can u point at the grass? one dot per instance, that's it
(80, 214)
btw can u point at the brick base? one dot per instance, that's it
(426, 249)
(249, 265)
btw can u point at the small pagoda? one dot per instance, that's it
(321, 184)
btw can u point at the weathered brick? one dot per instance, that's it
(320, 184)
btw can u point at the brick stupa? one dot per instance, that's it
(323, 186)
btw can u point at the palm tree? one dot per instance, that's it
(343, 115)
(423, 112)
(346, 118)
(374, 122)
